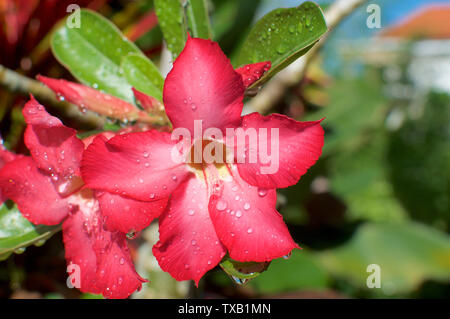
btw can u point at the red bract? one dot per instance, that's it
(48, 189)
(213, 207)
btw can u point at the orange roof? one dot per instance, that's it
(431, 22)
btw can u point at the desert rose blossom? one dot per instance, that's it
(214, 207)
(48, 189)
(5, 157)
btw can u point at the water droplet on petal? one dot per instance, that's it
(262, 192)
(221, 205)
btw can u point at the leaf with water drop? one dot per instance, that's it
(17, 233)
(172, 23)
(93, 53)
(242, 272)
(282, 36)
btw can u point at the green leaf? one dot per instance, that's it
(17, 233)
(282, 36)
(242, 272)
(93, 53)
(418, 158)
(172, 22)
(142, 74)
(407, 253)
(299, 272)
(356, 106)
(198, 19)
(360, 177)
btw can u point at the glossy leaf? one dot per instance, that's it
(93, 53)
(143, 75)
(407, 254)
(282, 36)
(172, 22)
(242, 272)
(17, 233)
(198, 19)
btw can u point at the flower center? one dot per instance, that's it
(204, 152)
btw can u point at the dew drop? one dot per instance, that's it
(20, 250)
(239, 281)
(288, 255)
(221, 205)
(262, 192)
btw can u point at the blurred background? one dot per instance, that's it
(379, 194)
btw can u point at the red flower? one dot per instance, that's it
(213, 207)
(48, 189)
(5, 157)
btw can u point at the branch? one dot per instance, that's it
(15, 82)
(18, 83)
(290, 76)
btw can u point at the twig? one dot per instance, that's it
(21, 84)
(18, 83)
(290, 76)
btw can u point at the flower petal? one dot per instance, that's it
(5, 157)
(33, 191)
(135, 165)
(203, 86)
(128, 215)
(147, 102)
(247, 222)
(253, 72)
(103, 257)
(296, 148)
(116, 275)
(188, 245)
(80, 254)
(91, 99)
(54, 147)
